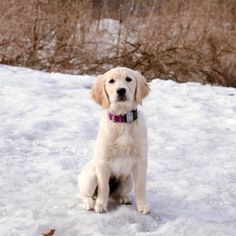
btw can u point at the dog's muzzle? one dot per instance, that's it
(121, 97)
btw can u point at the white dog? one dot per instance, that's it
(121, 147)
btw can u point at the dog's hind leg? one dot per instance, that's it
(121, 193)
(87, 186)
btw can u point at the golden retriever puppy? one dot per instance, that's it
(120, 158)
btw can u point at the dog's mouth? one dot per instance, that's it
(121, 99)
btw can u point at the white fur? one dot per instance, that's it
(121, 148)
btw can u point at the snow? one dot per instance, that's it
(104, 36)
(48, 125)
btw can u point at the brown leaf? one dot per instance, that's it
(49, 233)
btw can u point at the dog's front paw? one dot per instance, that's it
(143, 207)
(100, 207)
(88, 203)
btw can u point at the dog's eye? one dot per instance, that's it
(128, 79)
(111, 81)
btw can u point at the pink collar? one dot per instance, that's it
(125, 118)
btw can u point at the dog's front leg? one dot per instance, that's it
(140, 172)
(103, 175)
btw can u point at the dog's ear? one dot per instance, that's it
(142, 88)
(98, 92)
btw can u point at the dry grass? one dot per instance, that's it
(183, 40)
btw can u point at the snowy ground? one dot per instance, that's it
(48, 126)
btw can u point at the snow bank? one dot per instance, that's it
(48, 125)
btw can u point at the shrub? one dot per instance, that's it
(172, 39)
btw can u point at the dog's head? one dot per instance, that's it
(121, 87)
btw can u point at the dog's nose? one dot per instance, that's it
(121, 91)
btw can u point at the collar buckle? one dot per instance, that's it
(130, 117)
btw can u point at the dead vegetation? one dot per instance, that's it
(183, 40)
(49, 232)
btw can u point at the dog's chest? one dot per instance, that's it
(123, 152)
(123, 160)
(122, 166)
